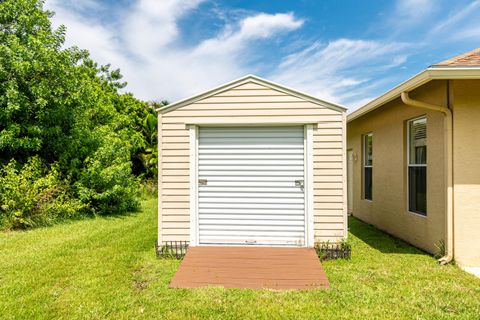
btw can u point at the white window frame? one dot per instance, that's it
(364, 165)
(414, 165)
(308, 182)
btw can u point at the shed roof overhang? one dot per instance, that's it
(429, 74)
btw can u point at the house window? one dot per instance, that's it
(367, 166)
(417, 165)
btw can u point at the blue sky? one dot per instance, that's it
(347, 52)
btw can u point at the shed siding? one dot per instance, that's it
(252, 103)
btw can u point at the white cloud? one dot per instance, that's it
(414, 7)
(77, 4)
(264, 25)
(145, 41)
(436, 21)
(409, 13)
(151, 25)
(146, 45)
(465, 23)
(260, 26)
(87, 33)
(343, 70)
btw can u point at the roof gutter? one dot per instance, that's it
(449, 166)
(431, 73)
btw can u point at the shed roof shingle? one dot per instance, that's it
(468, 59)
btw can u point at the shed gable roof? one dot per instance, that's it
(251, 81)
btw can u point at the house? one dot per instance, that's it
(251, 163)
(414, 155)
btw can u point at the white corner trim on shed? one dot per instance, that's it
(252, 163)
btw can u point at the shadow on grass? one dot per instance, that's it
(380, 240)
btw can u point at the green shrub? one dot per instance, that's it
(106, 184)
(441, 249)
(148, 188)
(59, 105)
(34, 195)
(333, 250)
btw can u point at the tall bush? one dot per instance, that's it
(62, 109)
(35, 195)
(106, 183)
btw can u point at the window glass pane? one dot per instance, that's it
(368, 183)
(368, 156)
(367, 166)
(417, 189)
(418, 141)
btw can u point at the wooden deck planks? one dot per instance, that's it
(251, 267)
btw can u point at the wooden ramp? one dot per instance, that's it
(250, 267)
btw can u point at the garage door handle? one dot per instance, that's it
(299, 183)
(202, 182)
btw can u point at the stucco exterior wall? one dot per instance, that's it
(389, 210)
(466, 146)
(252, 103)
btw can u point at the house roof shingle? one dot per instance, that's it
(468, 59)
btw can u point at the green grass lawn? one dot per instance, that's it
(106, 268)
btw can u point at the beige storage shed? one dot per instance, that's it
(251, 163)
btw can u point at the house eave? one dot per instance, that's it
(431, 73)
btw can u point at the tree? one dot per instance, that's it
(57, 104)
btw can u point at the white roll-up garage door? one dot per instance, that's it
(250, 188)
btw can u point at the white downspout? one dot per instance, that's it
(449, 166)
